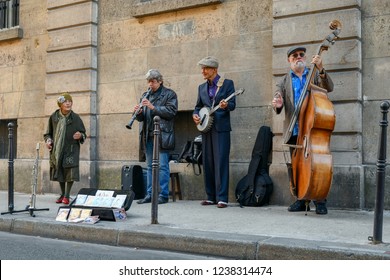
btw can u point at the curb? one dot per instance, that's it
(219, 244)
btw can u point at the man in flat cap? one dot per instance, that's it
(215, 141)
(287, 94)
(65, 132)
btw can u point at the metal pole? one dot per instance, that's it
(11, 166)
(380, 178)
(31, 209)
(155, 169)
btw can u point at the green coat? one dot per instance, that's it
(68, 167)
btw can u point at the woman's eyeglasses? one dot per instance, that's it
(301, 54)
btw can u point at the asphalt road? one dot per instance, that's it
(23, 247)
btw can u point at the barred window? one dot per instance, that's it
(4, 140)
(9, 13)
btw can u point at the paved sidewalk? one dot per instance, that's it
(239, 233)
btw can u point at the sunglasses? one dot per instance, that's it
(295, 55)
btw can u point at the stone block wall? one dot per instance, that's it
(173, 40)
(99, 51)
(306, 23)
(71, 66)
(22, 87)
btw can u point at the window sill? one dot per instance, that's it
(154, 7)
(11, 34)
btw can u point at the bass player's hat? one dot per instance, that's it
(209, 61)
(294, 49)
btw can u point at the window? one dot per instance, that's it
(9, 13)
(4, 141)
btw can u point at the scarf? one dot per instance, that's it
(59, 137)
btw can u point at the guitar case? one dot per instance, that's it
(132, 179)
(255, 188)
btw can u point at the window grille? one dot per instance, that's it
(9, 13)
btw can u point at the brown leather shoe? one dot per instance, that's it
(207, 202)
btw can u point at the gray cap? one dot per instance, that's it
(209, 61)
(294, 49)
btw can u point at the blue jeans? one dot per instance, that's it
(164, 170)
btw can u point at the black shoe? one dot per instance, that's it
(321, 208)
(298, 206)
(162, 200)
(146, 199)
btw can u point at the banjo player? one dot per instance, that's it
(216, 141)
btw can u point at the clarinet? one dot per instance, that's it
(34, 180)
(146, 96)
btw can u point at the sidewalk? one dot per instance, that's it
(239, 233)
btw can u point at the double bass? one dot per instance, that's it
(311, 160)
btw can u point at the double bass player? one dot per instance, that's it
(288, 92)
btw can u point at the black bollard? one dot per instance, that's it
(156, 169)
(11, 126)
(31, 208)
(380, 177)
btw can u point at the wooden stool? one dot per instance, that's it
(175, 185)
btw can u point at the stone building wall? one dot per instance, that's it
(344, 64)
(100, 51)
(22, 87)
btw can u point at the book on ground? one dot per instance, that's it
(62, 215)
(77, 220)
(119, 200)
(106, 201)
(85, 213)
(74, 213)
(80, 199)
(91, 219)
(90, 200)
(119, 214)
(104, 193)
(98, 201)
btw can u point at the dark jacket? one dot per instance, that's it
(284, 86)
(70, 157)
(221, 116)
(166, 108)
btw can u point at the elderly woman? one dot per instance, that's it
(161, 102)
(65, 132)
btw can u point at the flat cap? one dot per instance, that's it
(294, 49)
(209, 61)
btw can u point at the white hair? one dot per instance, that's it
(154, 74)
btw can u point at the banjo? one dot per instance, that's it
(206, 113)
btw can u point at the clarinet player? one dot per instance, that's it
(162, 102)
